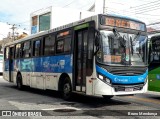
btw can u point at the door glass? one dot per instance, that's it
(79, 58)
(84, 57)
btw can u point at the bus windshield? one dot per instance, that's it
(122, 49)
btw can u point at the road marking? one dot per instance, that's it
(145, 99)
(62, 108)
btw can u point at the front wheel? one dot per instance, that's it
(67, 89)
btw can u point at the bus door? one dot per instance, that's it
(83, 58)
(80, 62)
(11, 56)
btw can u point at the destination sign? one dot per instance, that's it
(123, 23)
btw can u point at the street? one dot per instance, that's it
(52, 106)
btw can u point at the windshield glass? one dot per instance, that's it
(122, 48)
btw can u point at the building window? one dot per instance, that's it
(34, 21)
(44, 22)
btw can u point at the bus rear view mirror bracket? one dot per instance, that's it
(97, 38)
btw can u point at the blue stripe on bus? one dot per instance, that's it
(56, 64)
(122, 79)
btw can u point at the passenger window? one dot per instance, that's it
(60, 46)
(63, 45)
(6, 56)
(18, 49)
(63, 42)
(49, 43)
(26, 49)
(67, 44)
(36, 48)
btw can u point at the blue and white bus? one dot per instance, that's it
(103, 55)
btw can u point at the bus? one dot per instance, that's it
(102, 55)
(1, 63)
(154, 63)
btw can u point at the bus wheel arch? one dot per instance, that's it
(19, 81)
(64, 86)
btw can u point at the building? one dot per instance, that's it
(52, 17)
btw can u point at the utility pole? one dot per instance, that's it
(104, 6)
(13, 29)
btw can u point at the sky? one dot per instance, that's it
(18, 11)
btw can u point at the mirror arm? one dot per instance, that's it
(96, 51)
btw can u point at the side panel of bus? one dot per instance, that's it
(40, 70)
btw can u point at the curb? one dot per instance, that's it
(153, 92)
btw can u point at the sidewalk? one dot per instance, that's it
(153, 92)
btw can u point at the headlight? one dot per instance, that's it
(103, 78)
(100, 76)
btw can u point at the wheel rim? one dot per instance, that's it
(66, 89)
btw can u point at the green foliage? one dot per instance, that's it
(153, 82)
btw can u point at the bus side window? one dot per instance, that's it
(49, 45)
(67, 44)
(36, 48)
(17, 52)
(60, 46)
(21, 51)
(6, 54)
(26, 49)
(63, 42)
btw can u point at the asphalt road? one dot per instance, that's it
(34, 103)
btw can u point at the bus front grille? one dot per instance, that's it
(126, 88)
(125, 70)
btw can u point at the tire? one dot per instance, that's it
(19, 82)
(107, 97)
(67, 90)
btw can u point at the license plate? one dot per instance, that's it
(128, 89)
